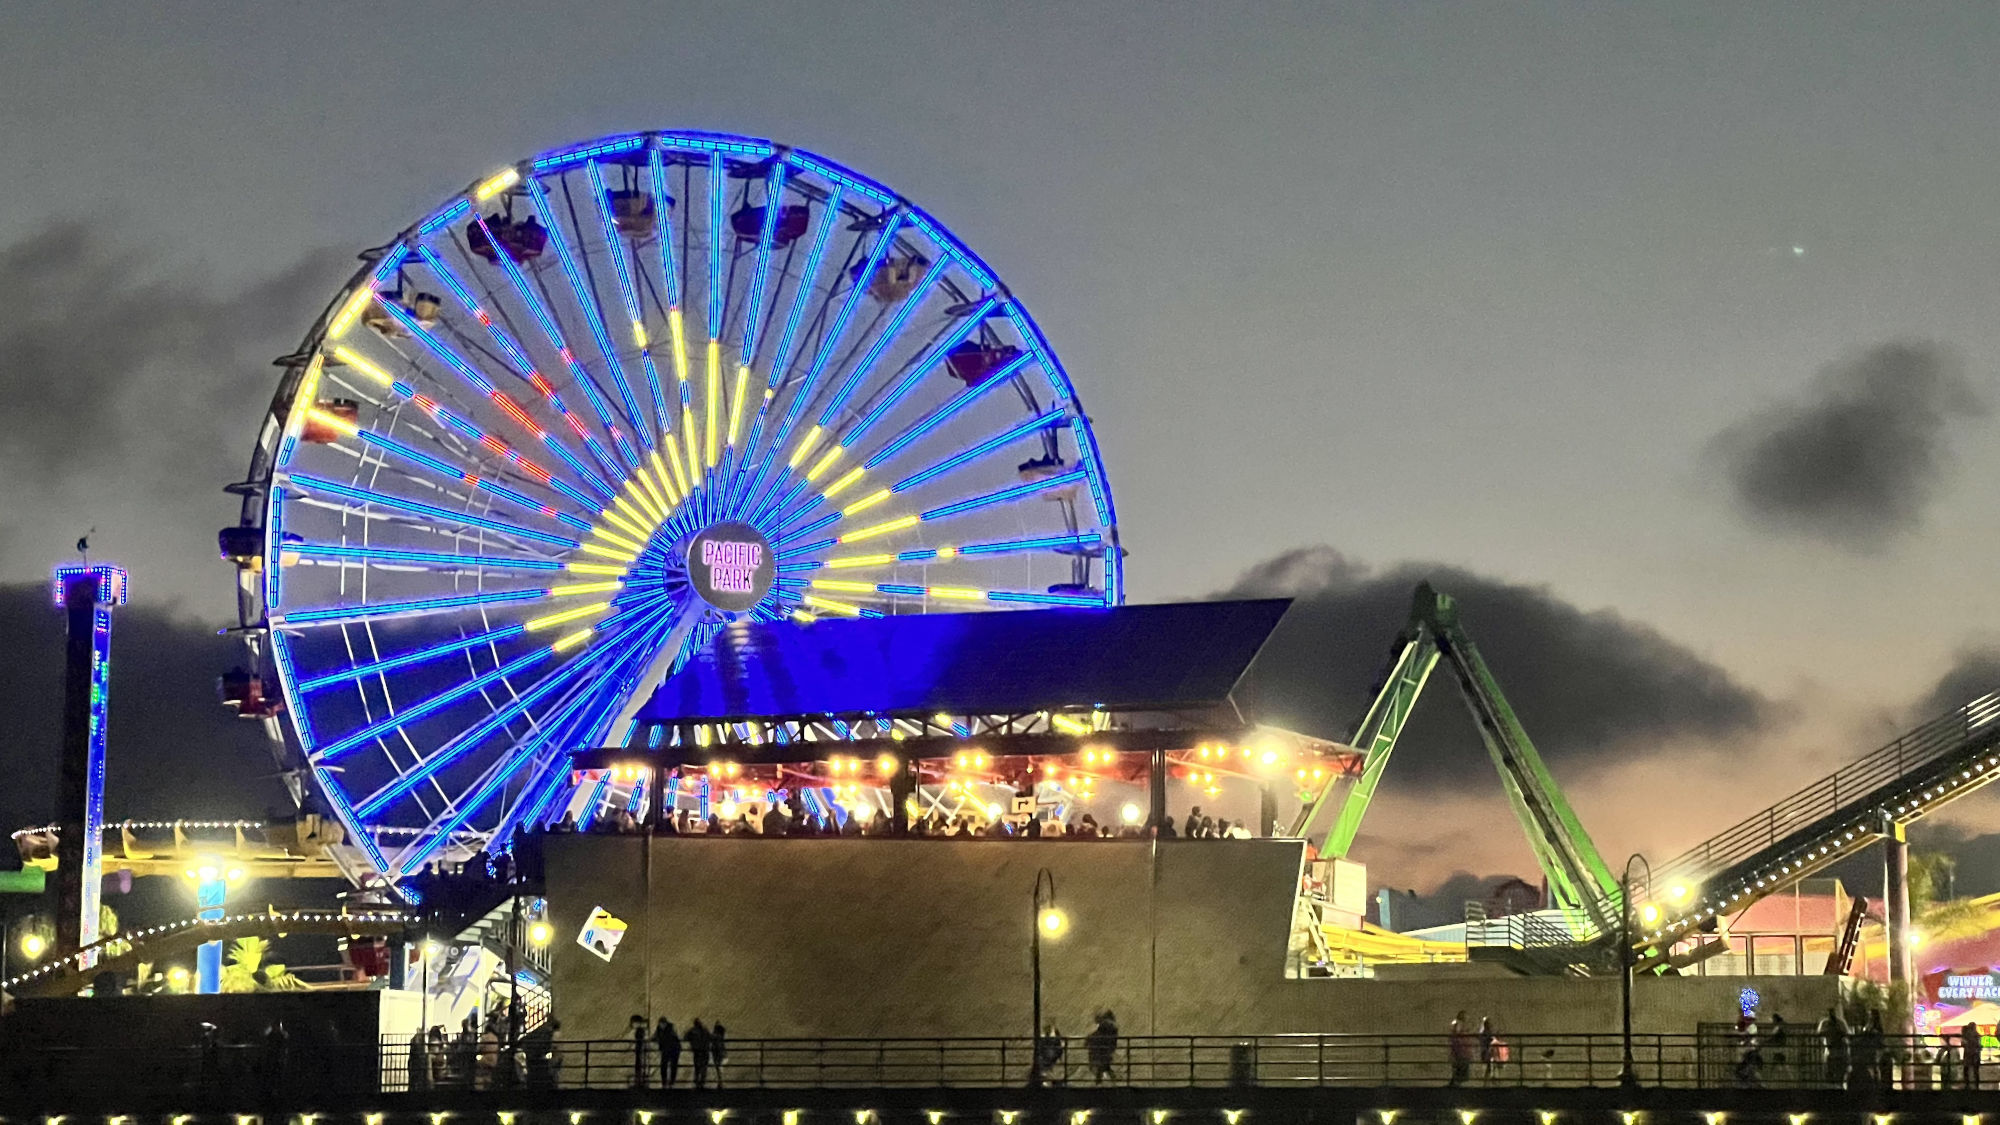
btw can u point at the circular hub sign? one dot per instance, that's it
(730, 566)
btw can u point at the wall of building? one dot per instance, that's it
(872, 937)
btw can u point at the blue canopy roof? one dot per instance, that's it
(1177, 656)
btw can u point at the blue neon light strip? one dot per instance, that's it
(553, 160)
(717, 142)
(438, 348)
(965, 258)
(774, 197)
(831, 341)
(824, 521)
(399, 503)
(593, 802)
(405, 660)
(662, 208)
(841, 177)
(1088, 539)
(555, 338)
(1030, 598)
(808, 549)
(419, 558)
(444, 218)
(946, 412)
(504, 770)
(716, 298)
(882, 341)
(1003, 496)
(829, 215)
(588, 302)
(1025, 429)
(341, 614)
(627, 292)
(431, 706)
(921, 368)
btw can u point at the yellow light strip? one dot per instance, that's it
(607, 553)
(547, 620)
(623, 524)
(884, 528)
(847, 561)
(660, 471)
(736, 403)
(832, 606)
(680, 475)
(678, 325)
(844, 587)
(659, 500)
(565, 589)
(305, 400)
(958, 593)
(593, 568)
(653, 515)
(350, 312)
(360, 363)
(847, 478)
(617, 539)
(805, 447)
(333, 420)
(637, 517)
(824, 463)
(868, 501)
(639, 332)
(573, 639)
(714, 400)
(692, 433)
(495, 184)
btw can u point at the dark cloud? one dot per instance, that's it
(1587, 685)
(1975, 673)
(132, 388)
(174, 750)
(1858, 455)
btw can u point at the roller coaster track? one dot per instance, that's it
(66, 976)
(1931, 766)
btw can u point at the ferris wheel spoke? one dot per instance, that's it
(552, 332)
(489, 783)
(413, 712)
(802, 299)
(471, 479)
(628, 293)
(418, 507)
(522, 365)
(608, 657)
(945, 413)
(809, 384)
(411, 607)
(586, 301)
(384, 665)
(952, 593)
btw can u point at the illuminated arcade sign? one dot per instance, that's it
(1971, 986)
(730, 566)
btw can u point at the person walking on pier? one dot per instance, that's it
(667, 1042)
(698, 1046)
(1101, 1045)
(1462, 1048)
(1833, 1040)
(1968, 1050)
(638, 1025)
(718, 1049)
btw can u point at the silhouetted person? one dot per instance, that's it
(1833, 1038)
(1968, 1049)
(1193, 824)
(668, 1042)
(718, 1049)
(1463, 1047)
(638, 1026)
(698, 1046)
(1101, 1045)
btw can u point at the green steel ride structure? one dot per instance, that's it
(1583, 887)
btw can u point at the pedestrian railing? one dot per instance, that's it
(1697, 1061)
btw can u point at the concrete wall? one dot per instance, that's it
(873, 937)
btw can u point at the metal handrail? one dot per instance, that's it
(1858, 784)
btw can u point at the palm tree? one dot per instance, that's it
(247, 971)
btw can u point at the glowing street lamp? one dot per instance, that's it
(1046, 920)
(33, 945)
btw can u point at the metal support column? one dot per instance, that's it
(1156, 790)
(1896, 910)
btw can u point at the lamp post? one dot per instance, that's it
(1628, 1074)
(1045, 919)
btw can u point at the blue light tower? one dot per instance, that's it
(87, 593)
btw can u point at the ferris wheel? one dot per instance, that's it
(596, 408)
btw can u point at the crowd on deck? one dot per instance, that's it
(792, 817)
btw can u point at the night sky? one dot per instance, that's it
(1663, 335)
